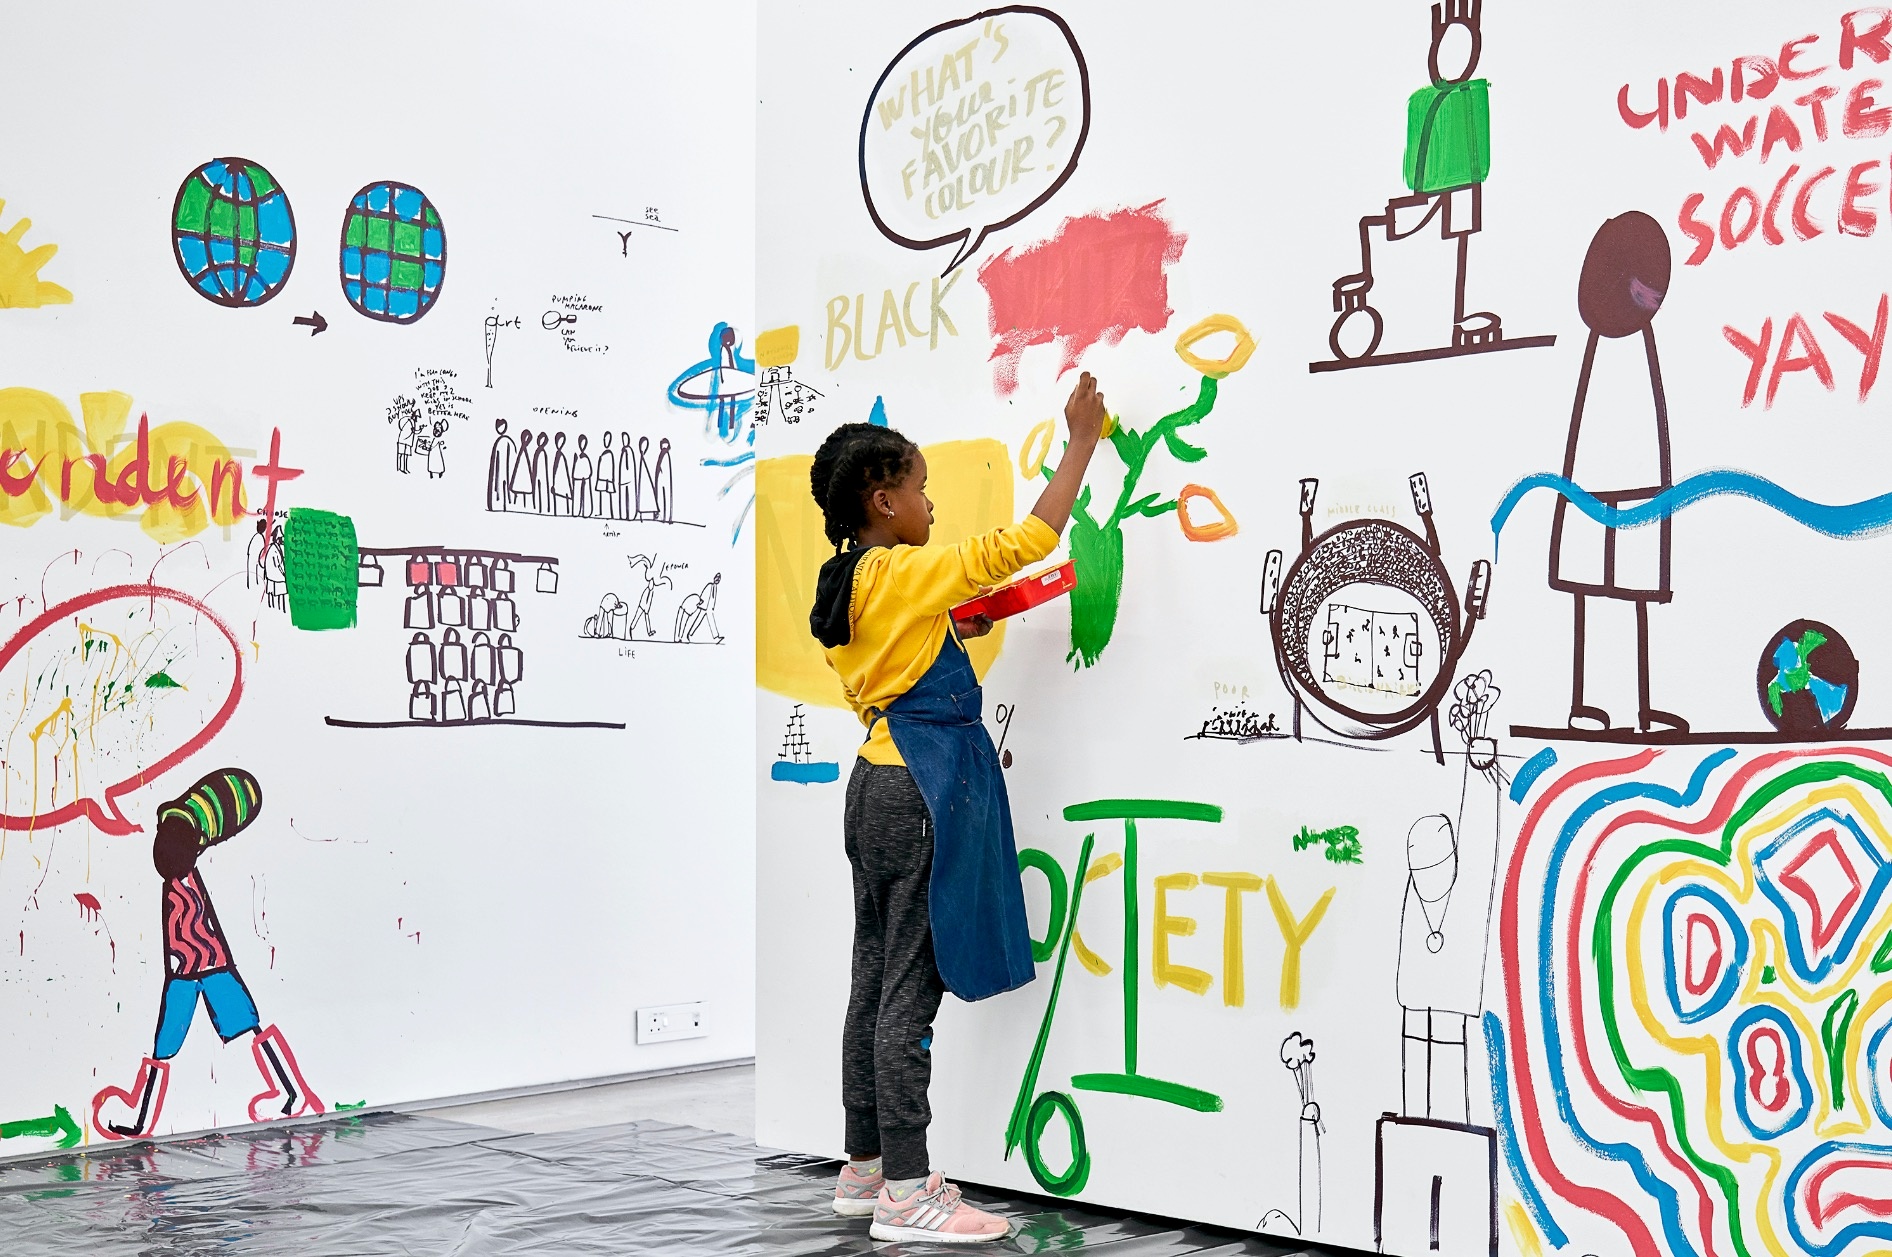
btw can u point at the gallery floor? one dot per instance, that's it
(663, 1165)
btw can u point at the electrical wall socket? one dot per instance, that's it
(673, 1021)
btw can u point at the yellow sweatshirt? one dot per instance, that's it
(899, 614)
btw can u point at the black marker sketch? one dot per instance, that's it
(778, 394)
(314, 322)
(463, 663)
(1366, 625)
(1236, 724)
(421, 421)
(538, 475)
(264, 566)
(1448, 155)
(1435, 1186)
(1003, 713)
(492, 325)
(404, 414)
(797, 762)
(693, 623)
(563, 317)
(1441, 975)
(631, 225)
(1435, 1172)
(1297, 1053)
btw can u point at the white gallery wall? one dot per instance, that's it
(1468, 732)
(501, 811)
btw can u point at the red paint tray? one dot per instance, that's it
(1022, 594)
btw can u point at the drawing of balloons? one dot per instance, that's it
(105, 692)
(972, 126)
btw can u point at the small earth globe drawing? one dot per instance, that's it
(1808, 679)
(233, 232)
(394, 252)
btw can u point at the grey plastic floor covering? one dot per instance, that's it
(390, 1184)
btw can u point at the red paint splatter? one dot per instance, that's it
(1098, 278)
(89, 905)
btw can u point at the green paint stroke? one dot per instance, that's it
(1097, 545)
(1882, 959)
(1833, 1033)
(1130, 928)
(1768, 976)
(319, 560)
(1150, 1089)
(1143, 810)
(1033, 858)
(1797, 677)
(161, 680)
(1341, 844)
(1603, 949)
(59, 1125)
(359, 1104)
(1015, 1129)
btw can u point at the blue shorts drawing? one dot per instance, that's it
(232, 1011)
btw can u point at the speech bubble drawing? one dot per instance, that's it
(974, 125)
(98, 691)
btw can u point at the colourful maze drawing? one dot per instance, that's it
(1700, 1000)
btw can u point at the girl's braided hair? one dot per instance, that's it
(856, 459)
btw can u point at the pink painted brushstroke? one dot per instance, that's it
(1098, 278)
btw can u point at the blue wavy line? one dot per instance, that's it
(1664, 1194)
(1847, 521)
(1508, 1134)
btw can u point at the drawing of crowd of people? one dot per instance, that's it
(538, 475)
(695, 620)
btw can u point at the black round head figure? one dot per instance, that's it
(1625, 275)
(175, 848)
(219, 807)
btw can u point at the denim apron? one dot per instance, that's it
(981, 941)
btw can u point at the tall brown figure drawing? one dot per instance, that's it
(1617, 441)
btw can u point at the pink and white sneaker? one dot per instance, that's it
(855, 1192)
(935, 1213)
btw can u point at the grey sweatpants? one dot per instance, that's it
(886, 1057)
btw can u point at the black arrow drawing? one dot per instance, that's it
(314, 322)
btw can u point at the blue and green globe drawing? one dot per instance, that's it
(233, 232)
(394, 253)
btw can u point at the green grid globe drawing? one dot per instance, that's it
(394, 252)
(233, 233)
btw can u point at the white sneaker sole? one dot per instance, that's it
(854, 1208)
(882, 1231)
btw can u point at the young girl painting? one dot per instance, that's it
(937, 901)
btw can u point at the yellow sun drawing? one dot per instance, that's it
(20, 284)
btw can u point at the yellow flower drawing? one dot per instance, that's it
(20, 284)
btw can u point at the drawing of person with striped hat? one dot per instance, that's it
(198, 965)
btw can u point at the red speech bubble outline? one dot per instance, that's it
(111, 819)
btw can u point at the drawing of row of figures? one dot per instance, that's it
(626, 483)
(454, 682)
